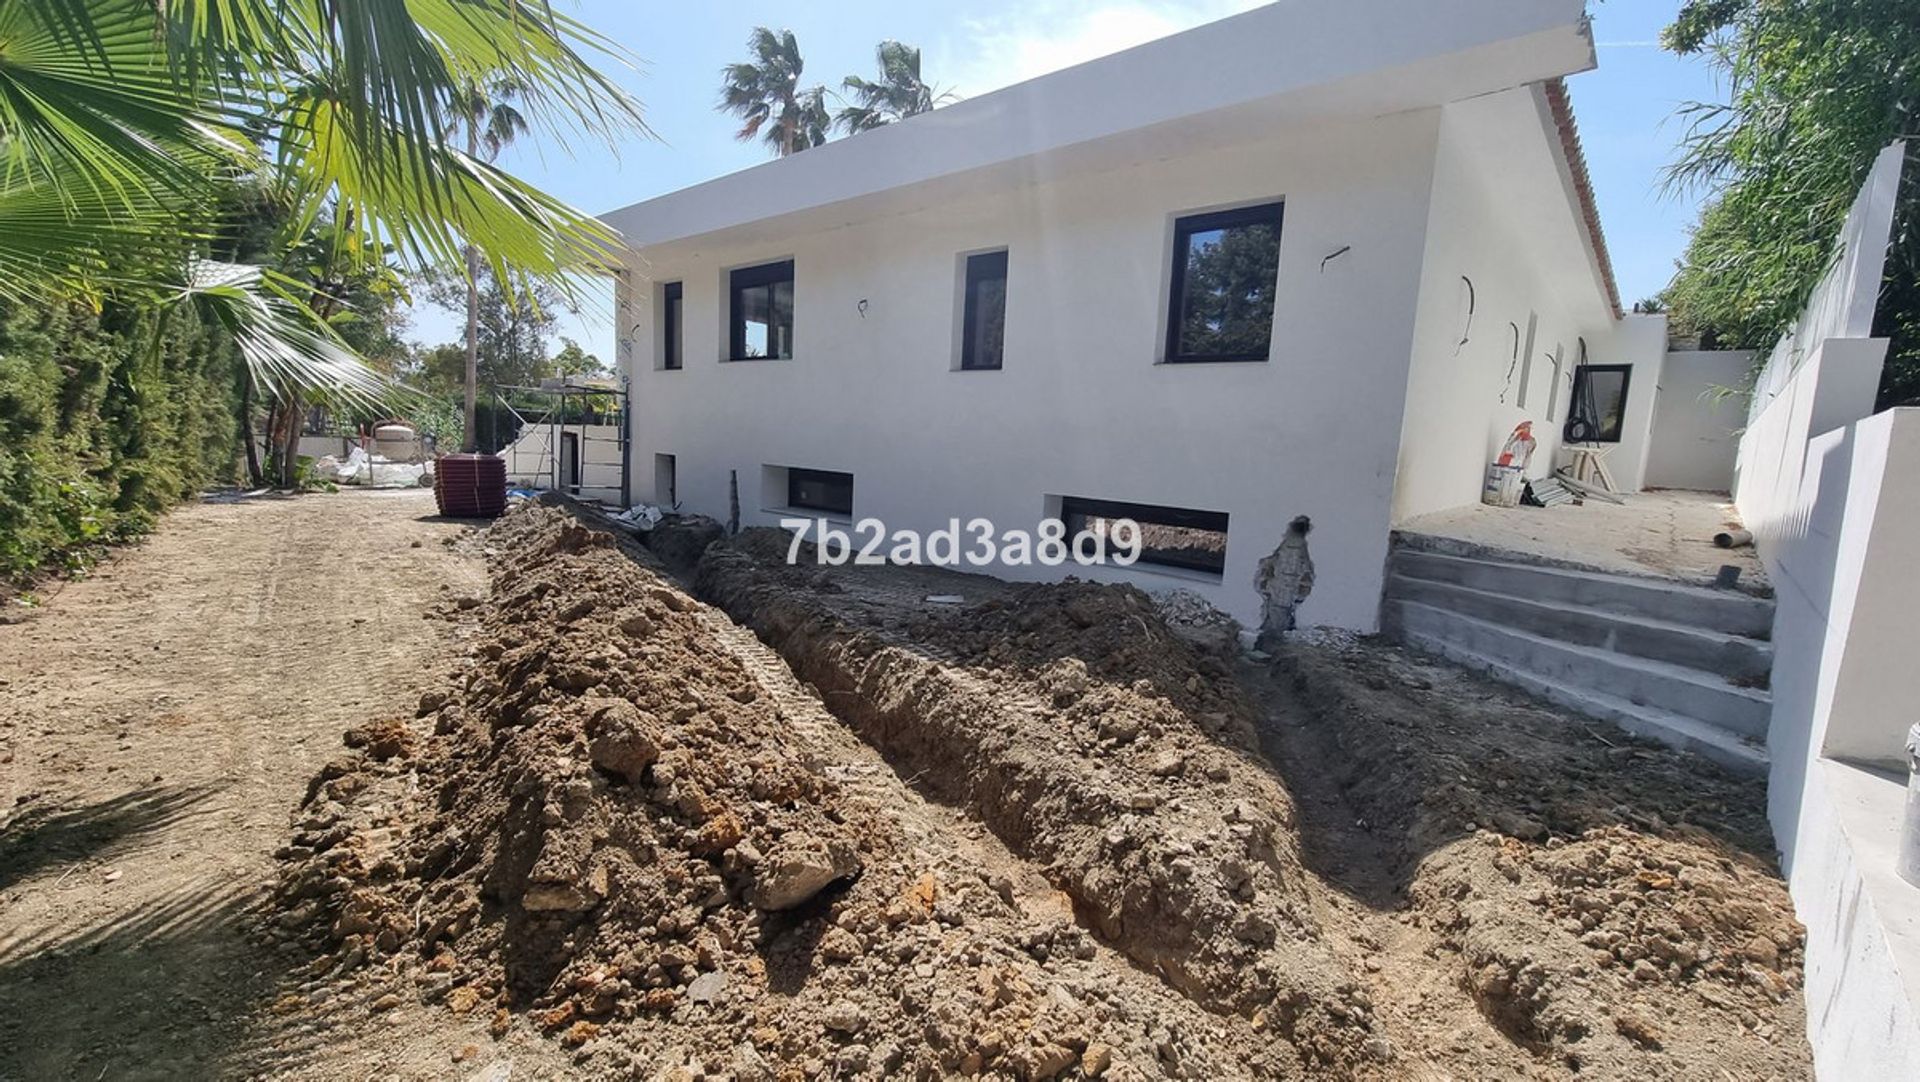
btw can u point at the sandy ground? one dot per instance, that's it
(1664, 533)
(157, 722)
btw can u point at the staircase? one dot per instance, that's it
(1686, 665)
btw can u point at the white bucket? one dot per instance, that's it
(1503, 486)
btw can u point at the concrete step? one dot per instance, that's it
(1734, 658)
(1641, 681)
(1725, 611)
(1668, 728)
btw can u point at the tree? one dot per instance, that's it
(898, 94)
(511, 332)
(124, 125)
(765, 93)
(1817, 88)
(572, 362)
(487, 117)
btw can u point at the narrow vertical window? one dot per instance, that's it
(1553, 391)
(1226, 267)
(983, 319)
(1526, 357)
(761, 318)
(672, 350)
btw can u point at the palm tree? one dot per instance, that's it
(487, 115)
(766, 95)
(899, 93)
(123, 123)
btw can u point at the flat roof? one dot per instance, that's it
(1292, 60)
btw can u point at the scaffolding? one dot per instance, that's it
(564, 460)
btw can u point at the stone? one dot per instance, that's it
(796, 870)
(622, 742)
(706, 988)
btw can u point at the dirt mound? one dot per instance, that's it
(631, 826)
(1607, 904)
(1094, 741)
(610, 829)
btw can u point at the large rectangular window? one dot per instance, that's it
(1226, 267)
(1169, 536)
(761, 312)
(672, 350)
(820, 490)
(1599, 411)
(983, 318)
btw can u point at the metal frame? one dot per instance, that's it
(554, 417)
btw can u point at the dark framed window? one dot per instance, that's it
(1599, 412)
(672, 350)
(1169, 536)
(983, 317)
(820, 490)
(760, 312)
(1226, 268)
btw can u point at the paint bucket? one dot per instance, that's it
(1503, 486)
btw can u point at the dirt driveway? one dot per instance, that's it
(157, 723)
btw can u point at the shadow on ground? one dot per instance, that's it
(41, 837)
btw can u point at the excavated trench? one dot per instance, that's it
(1175, 847)
(828, 828)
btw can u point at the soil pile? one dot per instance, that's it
(1092, 740)
(631, 826)
(1608, 904)
(611, 830)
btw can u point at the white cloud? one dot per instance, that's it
(1053, 34)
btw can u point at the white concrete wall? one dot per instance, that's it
(532, 462)
(1845, 690)
(1500, 217)
(1081, 407)
(1829, 494)
(1697, 418)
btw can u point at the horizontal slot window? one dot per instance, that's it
(1169, 536)
(820, 490)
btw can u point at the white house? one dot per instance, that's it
(1316, 259)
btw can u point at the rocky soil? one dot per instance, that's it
(787, 822)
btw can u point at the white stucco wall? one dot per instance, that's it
(1844, 691)
(1697, 418)
(1500, 216)
(531, 462)
(1081, 407)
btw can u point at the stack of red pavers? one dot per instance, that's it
(470, 486)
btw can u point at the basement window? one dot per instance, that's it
(1599, 410)
(820, 490)
(760, 320)
(672, 349)
(1226, 267)
(983, 319)
(1170, 536)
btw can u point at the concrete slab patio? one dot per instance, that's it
(1661, 533)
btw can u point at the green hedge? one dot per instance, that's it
(100, 431)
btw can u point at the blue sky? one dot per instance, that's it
(1625, 108)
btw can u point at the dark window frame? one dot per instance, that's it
(1583, 409)
(796, 476)
(1184, 228)
(1147, 514)
(673, 346)
(740, 280)
(970, 283)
